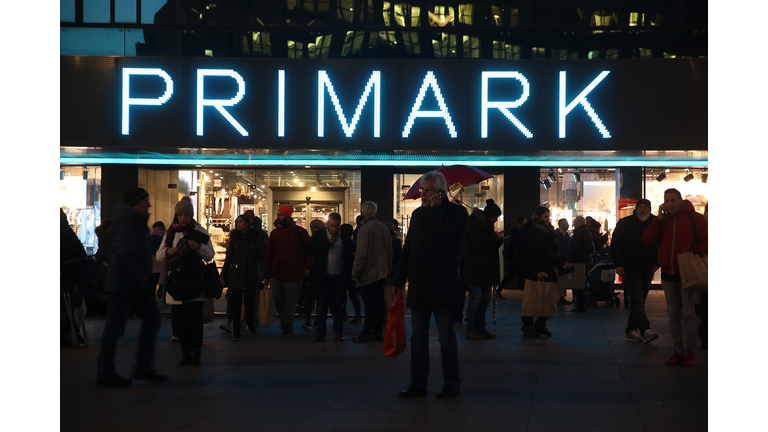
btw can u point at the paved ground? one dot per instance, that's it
(585, 378)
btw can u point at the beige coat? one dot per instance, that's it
(373, 259)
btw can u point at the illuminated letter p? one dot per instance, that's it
(128, 100)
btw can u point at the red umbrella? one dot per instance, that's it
(461, 174)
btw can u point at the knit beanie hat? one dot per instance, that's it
(184, 206)
(491, 209)
(250, 214)
(286, 210)
(643, 201)
(134, 195)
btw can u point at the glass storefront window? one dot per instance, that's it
(580, 192)
(80, 198)
(694, 190)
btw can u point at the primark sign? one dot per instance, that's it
(149, 102)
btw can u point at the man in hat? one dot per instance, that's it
(636, 263)
(289, 263)
(128, 284)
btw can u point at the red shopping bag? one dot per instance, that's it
(394, 340)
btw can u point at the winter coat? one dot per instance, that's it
(565, 242)
(514, 250)
(318, 247)
(244, 266)
(373, 259)
(540, 249)
(72, 254)
(286, 254)
(430, 256)
(156, 239)
(397, 249)
(205, 252)
(480, 246)
(675, 234)
(130, 263)
(627, 247)
(582, 246)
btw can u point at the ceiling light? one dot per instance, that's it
(545, 183)
(295, 180)
(667, 170)
(688, 178)
(661, 177)
(551, 177)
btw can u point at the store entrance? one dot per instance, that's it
(304, 214)
(309, 204)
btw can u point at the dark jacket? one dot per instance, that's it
(675, 234)
(582, 246)
(318, 247)
(245, 266)
(397, 249)
(565, 244)
(286, 254)
(540, 249)
(480, 247)
(627, 247)
(430, 256)
(105, 243)
(514, 250)
(130, 264)
(71, 253)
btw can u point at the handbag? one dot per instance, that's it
(394, 339)
(267, 309)
(183, 288)
(211, 281)
(540, 298)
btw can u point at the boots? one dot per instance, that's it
(186, 359)
(196, 357)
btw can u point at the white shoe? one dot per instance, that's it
(649, 336)
(225, 326)
(632, 336)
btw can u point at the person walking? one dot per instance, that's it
(346, 231)
(678, 229)
(184, 250)
(371, 269)
(430, 264)
(243, 273)
(540, 263)
(128, 284)
(480, 247)
(288, 263)
(636, 263)
(331, 267)
(582, 247)
(564, 239)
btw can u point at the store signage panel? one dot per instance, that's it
(383, 105)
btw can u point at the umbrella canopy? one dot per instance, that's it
(462, 174)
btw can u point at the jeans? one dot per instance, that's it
(334, 294)
(190, 331)
(683, 339)
(235, 300)
(636, 285)
(373, 298)
(449, 348)
(119, 308)
(286, 294)
(479, 298)
(463, 288)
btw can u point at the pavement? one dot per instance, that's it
(586, 377)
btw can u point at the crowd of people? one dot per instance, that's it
(447, 253)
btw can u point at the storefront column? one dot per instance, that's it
(630, 181)
(521, 194)
(115, 180)
(376, 184)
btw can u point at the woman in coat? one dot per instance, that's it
(540, 262)
(244, 270)
(184, 250)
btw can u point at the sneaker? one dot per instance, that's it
(632, 336)
(225, 326)
(477, 336)
(676, 359)
(307, 326)
(649, 336)
(150, 376)
(689, 359)
(174, 339)
(488, 335)
(114, 381)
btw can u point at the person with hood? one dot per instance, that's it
(581, 248)
(540, 262)
(480, 247)
(128, 284)
(289, 263)
(636, 263)
(678, 229)
(184, 250)
(243, 272)
(430, 263)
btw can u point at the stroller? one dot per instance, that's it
(600, 280)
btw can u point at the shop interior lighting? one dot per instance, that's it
(704, 178)
(545, 183)
(551, 177)
(661, 177)
(688, 178)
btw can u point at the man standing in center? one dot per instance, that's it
(430, 262)
(289, 263)
(373, 264)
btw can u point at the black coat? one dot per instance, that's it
(430, 256)
(627, 247)
(130, 263)
(244, 266)
(540, 249)
(318, 247)
(582, 246)
(480, 247)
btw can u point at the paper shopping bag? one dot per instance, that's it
(693, 271)
(267, 310)
(575, 280)
(394, 340)
(540, 298)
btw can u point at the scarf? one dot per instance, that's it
(174, 263)
(174, 228)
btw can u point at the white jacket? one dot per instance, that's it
(206, 253)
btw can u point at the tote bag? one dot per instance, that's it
(540, 298)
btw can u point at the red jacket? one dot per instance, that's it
(286, 254)
(676, 236)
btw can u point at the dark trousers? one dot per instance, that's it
(703, 333)
(636, 285)
(449, 348)
(190, 330)
(119, 308)
(373, 298)
(334, 294)
(352, 292)
(235, 300)
(463, 288)
(309, 302)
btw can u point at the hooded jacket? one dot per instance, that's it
(627, 247)
(130, 263)
(675, 234)
(287, 253)
(245, 266)
(480, 248)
